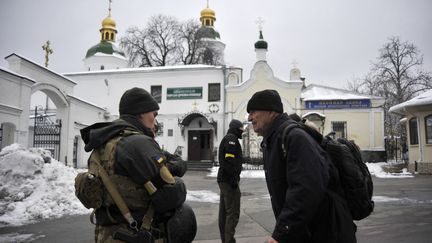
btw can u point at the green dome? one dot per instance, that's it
(105, 47)
(207, 32)
(261, 43)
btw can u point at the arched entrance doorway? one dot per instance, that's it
(199, 132)
(46, 123)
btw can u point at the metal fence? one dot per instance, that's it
(47, 134)
(253, 163)
(253, 167)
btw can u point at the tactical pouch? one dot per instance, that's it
(169, 196)
(88, 189)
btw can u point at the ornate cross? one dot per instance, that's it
(260, 23)
(46, 47)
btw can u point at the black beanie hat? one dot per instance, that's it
(265, 100)
(136, 101)
(235, 124)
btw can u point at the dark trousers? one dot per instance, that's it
(229, 211)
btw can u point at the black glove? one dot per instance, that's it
(177, 167)
(169, 196)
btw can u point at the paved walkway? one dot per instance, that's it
(403, 213)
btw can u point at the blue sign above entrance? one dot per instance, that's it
(338, 104)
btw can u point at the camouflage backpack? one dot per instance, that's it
(89, 188)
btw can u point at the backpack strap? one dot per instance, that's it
(107, 155)
(290, 125)
(117, 198)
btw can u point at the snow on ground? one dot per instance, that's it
(374, 168)
(202, 196)
(17, 237)
(32, 190)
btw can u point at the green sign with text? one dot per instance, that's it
(184, 93)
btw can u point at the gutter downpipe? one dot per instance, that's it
(225, 96)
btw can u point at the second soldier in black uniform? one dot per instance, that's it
(230, 160)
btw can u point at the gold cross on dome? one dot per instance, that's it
(260, 23)
(46, 47)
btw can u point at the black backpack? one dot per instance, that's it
(355, 178)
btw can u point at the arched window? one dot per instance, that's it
(428, 129)
(102, 67)
(106, 36)
(112, 36)
(413, 131)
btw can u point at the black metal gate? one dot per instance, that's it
(47, 134)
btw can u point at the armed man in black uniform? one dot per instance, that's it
(126, 155)
(230, 160)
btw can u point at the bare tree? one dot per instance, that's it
(154, 45)
(165, 41)
(189, 52)
(397, 76)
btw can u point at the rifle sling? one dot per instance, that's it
(114, 193)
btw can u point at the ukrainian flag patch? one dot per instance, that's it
(158, 158)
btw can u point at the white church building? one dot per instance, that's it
(196, 101)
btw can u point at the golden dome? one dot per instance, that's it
(108, 22)
(208, 12)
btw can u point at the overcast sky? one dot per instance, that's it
(332, 41)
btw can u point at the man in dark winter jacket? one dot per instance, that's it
(305, 208)
(230, 161)
(138, 171)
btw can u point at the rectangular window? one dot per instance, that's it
(156, 92)
(413, 131)
(214, 93)
(340, 129)
(170, 132)
(428, 124)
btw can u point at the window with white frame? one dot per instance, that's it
(413, 135)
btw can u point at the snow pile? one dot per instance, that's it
(32, 190)
(376, 169)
